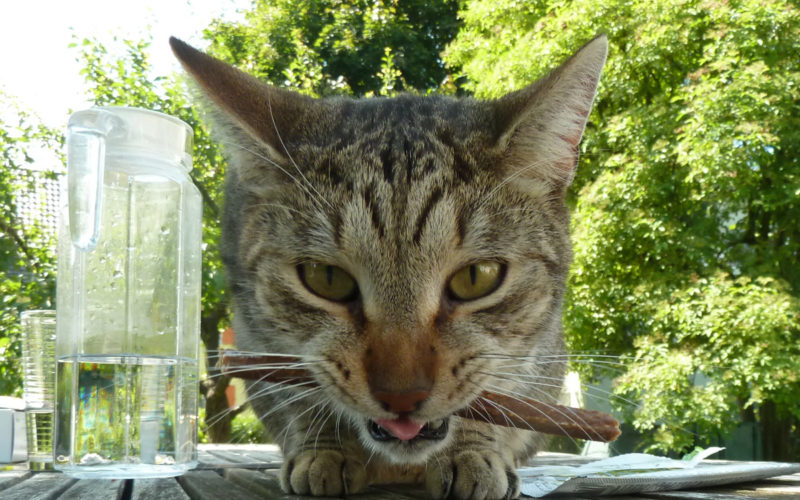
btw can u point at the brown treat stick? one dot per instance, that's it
(493, 408)
(273, 369)
(548, 418)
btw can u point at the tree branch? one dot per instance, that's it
(10, 230)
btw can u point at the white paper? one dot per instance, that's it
(639, 472)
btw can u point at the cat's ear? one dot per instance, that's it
(267, 113)
(540, 126)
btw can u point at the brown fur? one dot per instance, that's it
(401, 194)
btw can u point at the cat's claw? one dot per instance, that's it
(323, 473)
(472, 475)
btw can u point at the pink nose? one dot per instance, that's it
(401, 402)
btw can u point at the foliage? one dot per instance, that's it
(247, 428)
(354, 47)
(685, 225)
(27, 264)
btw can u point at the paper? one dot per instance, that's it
(639, 472)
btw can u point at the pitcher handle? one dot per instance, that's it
(86, 152)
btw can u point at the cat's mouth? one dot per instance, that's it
(407, 430)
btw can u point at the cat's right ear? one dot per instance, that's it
(268, 114)
(541, 125)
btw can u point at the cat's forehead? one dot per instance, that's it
(402, 141)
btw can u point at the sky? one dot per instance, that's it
(40, 71)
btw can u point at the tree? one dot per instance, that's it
(686, 241)
(353, 47)
(27, 263)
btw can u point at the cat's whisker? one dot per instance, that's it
(291, 159)
(575, 420)
(590, 391)
(317, 408)
(289, 424)
(300, 184)
(337, 430)
(323, 423)
(509, 422)
(517, 173)
(535, 357)
(261, 393)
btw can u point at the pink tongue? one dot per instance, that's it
(403, 429)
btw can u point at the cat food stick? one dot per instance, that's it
(522, 413)
(548, 418)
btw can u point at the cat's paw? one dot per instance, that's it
(323, 473)
(472, 475)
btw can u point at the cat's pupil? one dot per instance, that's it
(329, 274)
(473, 274)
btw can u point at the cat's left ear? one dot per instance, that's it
(540, 127)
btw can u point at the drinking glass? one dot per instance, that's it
(38, 383)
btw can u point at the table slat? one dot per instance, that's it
(147, 489)
(40, 486)
(208, 485)
(94, 489)
(11, 477)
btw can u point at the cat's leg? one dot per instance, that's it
(324, 472)
(480, 464)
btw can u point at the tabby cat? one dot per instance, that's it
(413, 252)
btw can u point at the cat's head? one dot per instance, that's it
(405, 245)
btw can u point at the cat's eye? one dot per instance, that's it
(329, 282)
(476, 280)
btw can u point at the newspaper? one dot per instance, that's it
(639, 472)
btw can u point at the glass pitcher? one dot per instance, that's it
(128, 298)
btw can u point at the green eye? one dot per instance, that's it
(329, 282)
(476, 280)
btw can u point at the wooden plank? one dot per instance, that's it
(696, 495)
(206, 460)
(267, 459)
(40, 486)
(401, 491)
(147, 489)
(251, 459)
(9, 478)
(94, 489)
(208, 485)
(267, 485)
(259, 456)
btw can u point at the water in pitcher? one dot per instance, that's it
(130, 414)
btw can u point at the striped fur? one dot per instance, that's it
(400, 193)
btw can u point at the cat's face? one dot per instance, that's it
(405, 247)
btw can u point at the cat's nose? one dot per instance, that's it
(400, 402)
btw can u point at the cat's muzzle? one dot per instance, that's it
(435, 431)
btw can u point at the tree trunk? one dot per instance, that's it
(776, 432)
(218, 415)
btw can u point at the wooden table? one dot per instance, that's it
(233, 472)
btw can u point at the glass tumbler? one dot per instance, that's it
(38, 382)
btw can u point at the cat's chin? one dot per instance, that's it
(432, 437)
